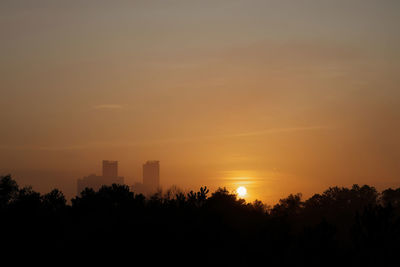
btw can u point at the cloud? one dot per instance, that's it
(108, 106)
(113, 144)
(280, 130)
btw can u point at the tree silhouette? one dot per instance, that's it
(289, 206)
(8, 190)
(354, 226)
(391, 197)
(54, 200)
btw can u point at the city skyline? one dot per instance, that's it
(149, 184)
(108, 177)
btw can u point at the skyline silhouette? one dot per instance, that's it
(109, 176)
(150, 180)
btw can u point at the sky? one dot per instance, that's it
(278, 96)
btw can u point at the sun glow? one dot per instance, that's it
(241, 191)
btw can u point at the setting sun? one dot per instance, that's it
(241, 191)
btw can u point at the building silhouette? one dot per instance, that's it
(151, 178)
(110, 168)
(151, 175)
(108, 177)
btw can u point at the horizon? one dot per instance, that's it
(279, 97)
(234, 187)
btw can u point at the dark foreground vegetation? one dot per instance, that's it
(341, 227)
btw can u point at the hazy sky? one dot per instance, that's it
(279, 96)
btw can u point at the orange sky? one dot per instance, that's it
(279, 96)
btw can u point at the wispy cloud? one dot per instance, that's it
(108, 106)
(46, 148)
(94, 145)
(280, 130)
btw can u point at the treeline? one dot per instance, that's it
(355, 226)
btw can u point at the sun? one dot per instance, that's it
(241, 191)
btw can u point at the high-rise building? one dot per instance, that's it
(151, 176)
(109, 177)
(110, 168)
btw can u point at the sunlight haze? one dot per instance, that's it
(276, 97)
